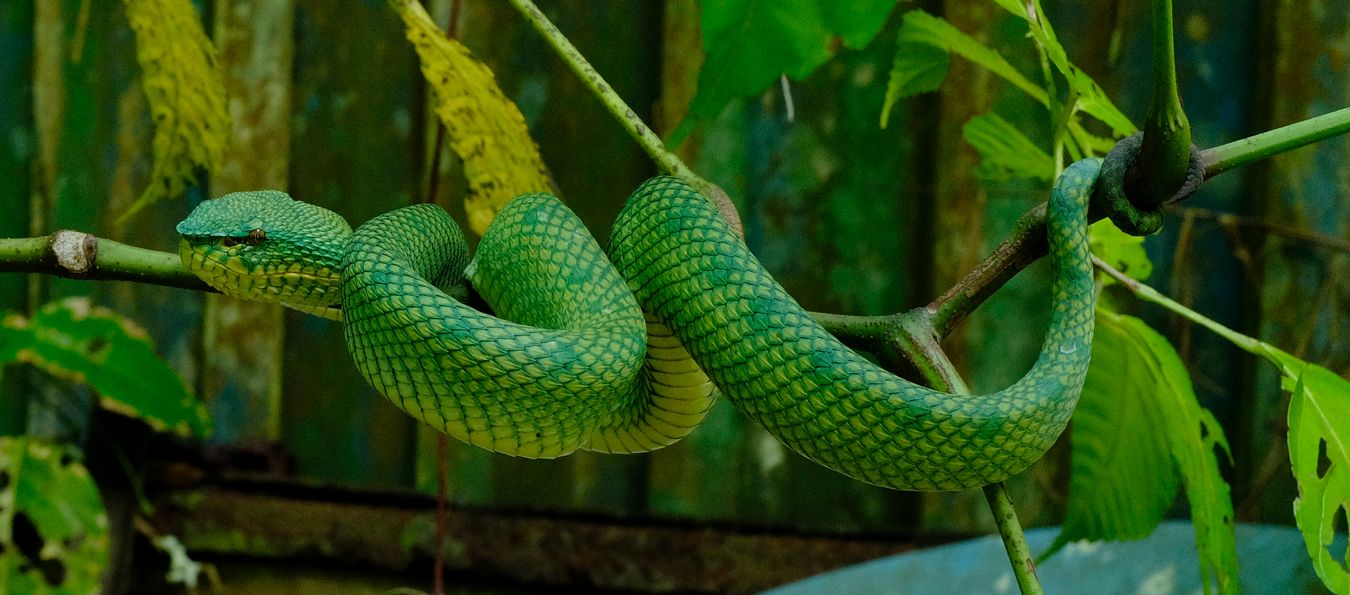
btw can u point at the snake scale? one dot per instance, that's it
(571, 361)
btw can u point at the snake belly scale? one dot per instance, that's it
(572, 362)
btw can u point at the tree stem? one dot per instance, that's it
(1273, 142)
(631, 122)
(1014, 541)
(1166, 151)
(944, 377)
(78, 255)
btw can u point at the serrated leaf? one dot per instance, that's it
(748, 44)
(1120, 250)
(1005, 151)
(485, 129)
(75, 340)
(1091, 98)
(918, 68)
(53, 528)
(1319, 454)
(1193, 435)
(186, 94)
(923, 28)
(1123, 475)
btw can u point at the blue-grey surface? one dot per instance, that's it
(1272, 559)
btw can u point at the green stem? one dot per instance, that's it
(1273, 142)
(631, 122)
(79, 255)
(946, 378)
(1165, 154)
(1014, 541)
(1149, 294)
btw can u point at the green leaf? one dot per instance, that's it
(1192, 436)
(918, 68)
(90, 344)
(53, 528)
(1123, 476)
(485, 128)
(1319, 453)
(748, 44)
(186, 93)
(1005, 151)
(919, 27)
(1091, 98)
(1122, 251)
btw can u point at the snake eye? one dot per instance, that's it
(254, 237)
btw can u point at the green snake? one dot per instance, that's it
(571, 361)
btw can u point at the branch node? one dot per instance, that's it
(74, 252)
(1119, 173)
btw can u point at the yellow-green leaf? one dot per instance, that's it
(485, 128)
(76, 340)
(1124, 476)
(1120, 250)
(1193, 437)
(1005, 151)
(1319, 453)
(186, 94)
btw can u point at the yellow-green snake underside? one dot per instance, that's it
(571, 362)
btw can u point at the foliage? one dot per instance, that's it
(1122, 251)
(1123, 476)
(1319, 416)
(53, 530)
(186, 94)
(1135, 428)
(81, 342)
(750, 43)
(485, 128)
(1122, 481)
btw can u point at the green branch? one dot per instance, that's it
(1149, 294)
(1165, 154)
(942, 375)
(631, 122)
(78, 255)
(1273, 142)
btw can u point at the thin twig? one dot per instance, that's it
(1287, 231)
(624, 115)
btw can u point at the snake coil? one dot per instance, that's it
(572, 362)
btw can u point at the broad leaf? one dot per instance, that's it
(1319, 453)
(1091, 98)
(1192, 436)
(53, 528)
(1122, 251)
(486, 130)
(75, 340)
(186, 94)
(918, 68)
(919, 27)
(748, 44)
(1005, 151)
(1123, 476)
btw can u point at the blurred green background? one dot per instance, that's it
(309, 466)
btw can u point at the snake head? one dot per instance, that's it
(264, 245)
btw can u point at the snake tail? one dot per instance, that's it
(781, 369)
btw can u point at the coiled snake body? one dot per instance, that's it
(572, 363)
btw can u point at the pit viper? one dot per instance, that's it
(571, 362)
